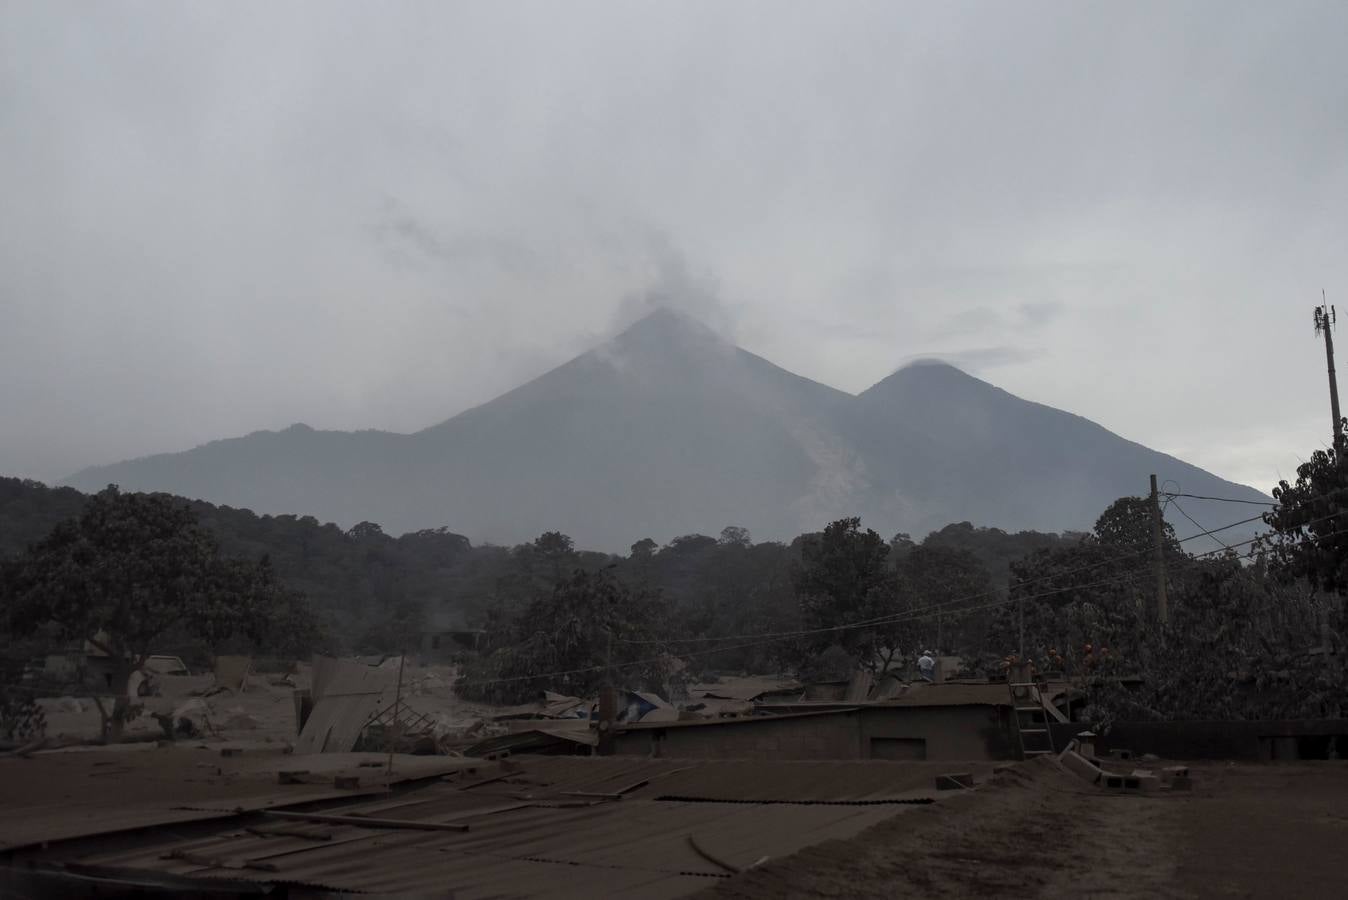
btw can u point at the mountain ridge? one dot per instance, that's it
(667, 429)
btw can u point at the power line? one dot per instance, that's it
(884, 619)
(1172, 494)
(1204, 531)
(908, 615)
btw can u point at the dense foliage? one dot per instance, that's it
(134, 570)
(590, 629)
(1252, 633)
(1310, 523)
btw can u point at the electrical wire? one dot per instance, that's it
(1204, 531)
(1221, 499)
(908, 615)
(991, 593)
(905, 616)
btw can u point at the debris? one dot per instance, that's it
(346, 782)
(26, 749)
(643, 706)
(295, 776)
(347, 696)
(191, 718)
(231, 672)
(163, 664)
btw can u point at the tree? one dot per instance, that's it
(1098, 590)
(555, 549)
(367, 531)
(735, 536)
(1310, 522)
(1126, 527)
(944, 589)
(131, 569)
(568, 641)
(844, 579)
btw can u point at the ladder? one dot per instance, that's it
(1033, 736)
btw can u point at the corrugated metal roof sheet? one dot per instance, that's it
(531, 835)
(66, 796)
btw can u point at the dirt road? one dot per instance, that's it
(1245, 831)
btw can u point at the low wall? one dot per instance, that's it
(1243, 740)
(830, 736)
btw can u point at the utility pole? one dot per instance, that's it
(1158, 556)
(394, 724)
(1020, 615)
(1325, 317)
(608, 702)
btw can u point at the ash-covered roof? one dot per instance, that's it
(537, 827)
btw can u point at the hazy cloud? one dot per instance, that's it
(980, 359)
(404, 233)
(1125, 210)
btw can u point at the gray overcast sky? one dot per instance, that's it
(222, 217)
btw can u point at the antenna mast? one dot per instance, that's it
(1325, 317)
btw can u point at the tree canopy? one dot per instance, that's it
(134, 569)
(590, 627)
(1310, 522)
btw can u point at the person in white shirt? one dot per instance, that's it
(926, 666)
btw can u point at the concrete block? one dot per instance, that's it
(346, 782)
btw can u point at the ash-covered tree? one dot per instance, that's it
(843, 580)
(133, 569)
(1310, 522)
(735, 536)
(946, 593)
(1099, 590)
(568, 641)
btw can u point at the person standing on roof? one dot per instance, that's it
(926, 666)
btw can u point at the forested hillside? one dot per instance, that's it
(379, 592)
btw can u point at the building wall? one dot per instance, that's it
(950, 732)
(811, 737)
(934, 733)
